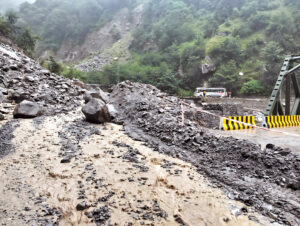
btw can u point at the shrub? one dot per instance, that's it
(251, 87)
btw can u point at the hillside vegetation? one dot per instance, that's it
(246, 39)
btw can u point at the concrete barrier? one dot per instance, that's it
(275, 121)
(237, 122)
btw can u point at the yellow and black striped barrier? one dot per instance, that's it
(275, 121)
(237, 122)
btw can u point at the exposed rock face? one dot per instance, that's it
(27, 109)
(208, 67)
(96, 111)
(97, 42)
(24, 79)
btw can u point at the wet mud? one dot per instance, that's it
(112, 180)
(6, 136)
(265, 178)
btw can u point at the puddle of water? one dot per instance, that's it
(265, 137)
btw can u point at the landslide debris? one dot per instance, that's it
(21, 78)
(266, 178)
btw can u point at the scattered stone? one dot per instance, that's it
(81, 206)
(66, 159)
(270, 146)
(27, 109)
(101, 215)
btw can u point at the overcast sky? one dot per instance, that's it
(11, 4)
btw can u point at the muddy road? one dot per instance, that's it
(112, 180)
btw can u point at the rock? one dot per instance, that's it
(18, 95)
(294, 184)
(29, 79)
(45, 72)
(270, 146)
(27, 109)
(112, 111)
(14, 67)
(1, 97)
(208, 67)
(77, 82)
(285, 152)
(66, 159)
(96, 111)
(98, 94)
(87, 97)
(81, 206)
(1, 117)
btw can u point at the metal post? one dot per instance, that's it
(288, 95)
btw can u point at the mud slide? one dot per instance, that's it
(111, 180)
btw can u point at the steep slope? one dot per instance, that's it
(102, 48)
(242, 42)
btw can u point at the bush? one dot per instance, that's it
(251, 87)
(242, 31)
(252, 48)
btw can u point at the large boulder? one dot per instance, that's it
(98, 94)
(96, 111)
(27, 109)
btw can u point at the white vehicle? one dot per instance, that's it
(210, 92)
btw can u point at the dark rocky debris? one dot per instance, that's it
(21, 78)
(266, 178)
(6, 136)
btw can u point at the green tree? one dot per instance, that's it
(273, 56)
(227, 50)
(227, 76)
(53, 66)
(11, 17)
(272, 53)
(27, 41)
